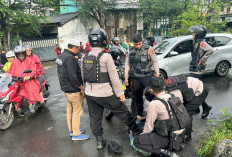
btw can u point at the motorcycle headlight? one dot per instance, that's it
(5, 99)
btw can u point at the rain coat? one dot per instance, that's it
(39, 67)
(29, 89)
(7, 66)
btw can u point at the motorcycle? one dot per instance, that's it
(13, 105)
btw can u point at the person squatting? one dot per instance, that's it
(172, 102)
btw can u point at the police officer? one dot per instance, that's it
(140, 65)
(200, 54)
(103, 90)
(150, 140)
(193, 94)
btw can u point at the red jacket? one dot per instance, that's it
(39, 67)
(29, 89)
(58, 52)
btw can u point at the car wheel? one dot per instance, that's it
(163, 74)
(222, 68)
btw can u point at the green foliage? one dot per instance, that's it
(21, 18)
(96, 9)
(200, 12)
(223, 130)
(157, 9)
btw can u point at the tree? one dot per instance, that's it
(161, 9)
(21, 18)
(201, 12)
(96, 9)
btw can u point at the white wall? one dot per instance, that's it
(77, 28)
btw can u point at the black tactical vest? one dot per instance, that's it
(195, 56)
(140, 64)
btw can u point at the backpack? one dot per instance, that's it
(91, 69)
(179, 82)
(179, 119)
(177, 111)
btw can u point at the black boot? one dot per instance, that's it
(206, 110)
(167, 153)
(188, 135)
(101, 142)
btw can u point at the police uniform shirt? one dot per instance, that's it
(152, 57)
(208, 50)
(156, 110)
(104, 89)
(196, 85)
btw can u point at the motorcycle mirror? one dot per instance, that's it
(27, 71)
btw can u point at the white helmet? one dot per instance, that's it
(10, 54)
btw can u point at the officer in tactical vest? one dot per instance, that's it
(153, 139)
(200, 54)
(102, 87)
(141, 64)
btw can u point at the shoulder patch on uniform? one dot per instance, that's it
(203, 44)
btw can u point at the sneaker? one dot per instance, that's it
(81, 137)
(81, 130)
(31, 109)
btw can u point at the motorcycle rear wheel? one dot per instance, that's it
(5, 120)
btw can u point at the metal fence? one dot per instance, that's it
(37, 43)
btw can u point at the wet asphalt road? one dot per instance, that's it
(45, 134)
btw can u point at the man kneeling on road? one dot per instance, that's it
(156, 137)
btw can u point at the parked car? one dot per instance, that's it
(174, 54)
(157, 40)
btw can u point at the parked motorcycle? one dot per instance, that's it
(13, 105)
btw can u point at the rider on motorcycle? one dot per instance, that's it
(10, 57)
(29, 87)
(39, 68)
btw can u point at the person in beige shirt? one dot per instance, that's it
(149, 140)
(141, 64)
(107, 93)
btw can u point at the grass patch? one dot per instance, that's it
(223, 130)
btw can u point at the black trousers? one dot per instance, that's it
(151, 142)
(138, 85)
(96, 107)
(200, 77)
(193, 105)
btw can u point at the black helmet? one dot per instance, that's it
(200, 31)
(114, 40)
(98, 37)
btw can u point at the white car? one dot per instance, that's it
(174, 54)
